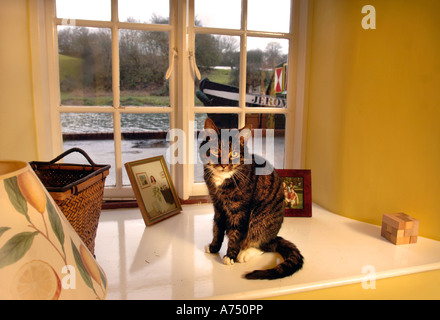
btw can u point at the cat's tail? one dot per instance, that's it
(293, 261)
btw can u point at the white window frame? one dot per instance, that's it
(45, 77)
(296, 111)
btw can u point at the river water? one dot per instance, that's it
(103, 122)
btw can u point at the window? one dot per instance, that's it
(238, 56)
(114, 101)
(106, 90)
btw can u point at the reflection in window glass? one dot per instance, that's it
(271, 16)
(85, 65)
(271, 125)
(266, 72)
(92, 132)
(143, 136)
(144, 61)
(84, 9)
(144, 11)
(218, 59)
(218, 14)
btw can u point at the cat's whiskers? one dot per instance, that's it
(241, 175)
(235, 182)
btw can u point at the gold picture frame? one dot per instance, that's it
(153, 188)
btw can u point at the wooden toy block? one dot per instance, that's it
(400, 228)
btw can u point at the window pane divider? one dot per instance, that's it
(145, 109)
(86, 109)
(264, 34)
(84, 23)
(116, 95)
(144, 27)
(218, 31)
(236, 32)
(266, 110)
(238, 110)
(217, 109)
(110, 24)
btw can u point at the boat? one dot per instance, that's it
(215, 94)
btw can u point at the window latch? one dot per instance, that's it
(171, 67)
(194, 64)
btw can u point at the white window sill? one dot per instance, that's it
(167, 260)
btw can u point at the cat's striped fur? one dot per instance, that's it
(249, 209)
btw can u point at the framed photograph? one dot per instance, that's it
(143, 180)
(153, 188)
(297, 186)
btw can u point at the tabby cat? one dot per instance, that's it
(249, 208)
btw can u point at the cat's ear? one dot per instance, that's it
(246, 132)
(209, 124)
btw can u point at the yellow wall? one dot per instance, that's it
(17, 121)
(417, 286)
(374, 110)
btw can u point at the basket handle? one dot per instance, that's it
(74, 150)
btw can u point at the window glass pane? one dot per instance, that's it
(218, 59)
(84, 9)
(218, 14)
(266, 72)
(266, 15)
(92, 132)
(223, 121)
(85, 66)
(269, 141)
(143, 136)
(144, 61)
(144, 11)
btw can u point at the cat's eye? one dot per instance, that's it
(235, 154)
(214, 152)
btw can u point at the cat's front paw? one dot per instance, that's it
(228, 261)
(209, 248)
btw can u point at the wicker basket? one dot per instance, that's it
(78, 191)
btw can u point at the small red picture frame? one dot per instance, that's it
(297, 191)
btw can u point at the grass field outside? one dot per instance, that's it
(74, 93)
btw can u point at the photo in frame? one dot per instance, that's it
(153, 188)
(297, 186)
